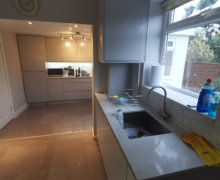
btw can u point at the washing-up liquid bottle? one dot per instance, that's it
(205, 96)
(214, 105)
(120, 116)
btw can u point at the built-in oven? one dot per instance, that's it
(55, 72)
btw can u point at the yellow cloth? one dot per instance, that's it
(209, 154)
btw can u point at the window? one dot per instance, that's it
(169, 57)
(193, 8)
(192, 52)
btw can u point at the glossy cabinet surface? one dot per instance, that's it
(35, 84)
(53, 49)
(123, 30)
(55, 89)
(69, 89)
(75, 50)
(32, 52)
(84, 50)
(114, 161)
(130, 175)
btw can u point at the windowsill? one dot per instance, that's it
(179, 98)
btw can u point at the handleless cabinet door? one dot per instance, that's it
(55, 90)
(84, 50)
(35, 84)
(68, 48)
(114, 161)
(123, 30)
(53, 49)
(130, 175)
(32, 53)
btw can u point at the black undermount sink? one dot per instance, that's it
(139, 124)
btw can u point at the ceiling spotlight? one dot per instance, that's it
(61, 37)
(71, 37)
(76, 26)
(29, 22)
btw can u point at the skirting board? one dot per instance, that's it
(20, 110)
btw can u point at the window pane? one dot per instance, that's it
(193, 8)
(169, 58)
(196, 57)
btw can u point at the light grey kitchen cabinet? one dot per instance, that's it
(32, 52)
(53, 49)
(80, 95)
(35, 84)
(114, 161)
(84, 50)
(76, 89)
(68, 49)
(123, 30)
(55, 89)
(130, 175)
(80, 86)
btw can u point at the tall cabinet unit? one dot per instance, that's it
(32, 56)
(123, 30)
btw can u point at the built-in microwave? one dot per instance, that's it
(55, 72)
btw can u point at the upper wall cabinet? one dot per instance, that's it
(84, 50)
(68, 48)
(53, 49)
(32, 53)
(75, 50)
(123, 30)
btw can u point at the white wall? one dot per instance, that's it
(14, 71)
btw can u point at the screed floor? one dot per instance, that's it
(51, 143)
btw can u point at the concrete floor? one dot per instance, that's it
(51, 142)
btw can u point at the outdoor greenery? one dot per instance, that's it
(199, 51)
(204, 46)
(216, 83)
(201, 5)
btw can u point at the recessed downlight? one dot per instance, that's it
(30, 23)
(76, 26)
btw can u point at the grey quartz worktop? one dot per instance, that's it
(151, 156)
(68, 77)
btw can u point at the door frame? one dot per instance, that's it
(7, 78)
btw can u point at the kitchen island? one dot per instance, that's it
(162, 156)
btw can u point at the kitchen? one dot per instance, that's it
(127, 43)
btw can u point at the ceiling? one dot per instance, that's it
(44, 28)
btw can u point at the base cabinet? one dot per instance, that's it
(55, 89)
(69, 89)
(115, 163)
(130, 175)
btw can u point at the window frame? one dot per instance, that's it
(207, 17)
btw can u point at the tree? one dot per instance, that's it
(199, 51)
(211, 35)
(215, 46)
(216, 83)
(202, 4)
(189, 10)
